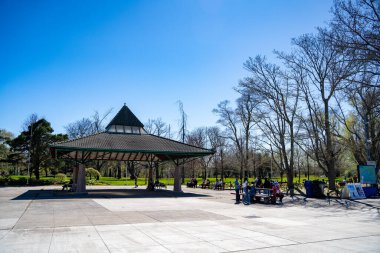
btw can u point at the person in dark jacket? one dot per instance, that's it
(237, 190)
(267, 183)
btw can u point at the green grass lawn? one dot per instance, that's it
(20, 180)
(124, 181)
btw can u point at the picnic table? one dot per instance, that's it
(266, 194)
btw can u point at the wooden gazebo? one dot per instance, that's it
(125, 140)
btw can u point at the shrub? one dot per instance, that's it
(60, 178)
(91, 172)
(92, 182)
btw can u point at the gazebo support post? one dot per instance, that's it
(81, 179)
(177, 178)
(75, 174)
(150, 177)
(156, 171)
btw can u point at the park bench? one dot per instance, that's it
(69, 187)
(205, 186)
(160, 186)
(264, 194)
(191, 185)
(218, 186)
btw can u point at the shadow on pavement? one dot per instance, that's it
(104, 193)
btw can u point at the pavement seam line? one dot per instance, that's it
(154, 239)
(336, 239)
(51, 239)
(52, 234)
(305, 243)
(26, 208)
(203, 240)
(105, 244)
(94, 226)
(295, 242)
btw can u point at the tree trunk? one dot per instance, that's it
(130, 166)
(150, 176)
(241, 166)
(36, 171)
(157, 170)
(329, 149)
(118, 170)
(331, 175)
(289, 177)
(222, 165)
(246, 150)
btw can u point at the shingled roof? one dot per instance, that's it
(125, 146)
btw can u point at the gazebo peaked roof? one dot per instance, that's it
(125, 117)
(125, 140)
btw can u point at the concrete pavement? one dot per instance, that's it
(120, 219)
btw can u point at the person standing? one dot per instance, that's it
(252, 193)
(246, 198)
(237, 190)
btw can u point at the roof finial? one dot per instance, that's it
(125, 104)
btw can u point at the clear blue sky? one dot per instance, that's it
(65, 59)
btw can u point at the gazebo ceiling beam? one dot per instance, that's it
(134, 158)
(104, 155)
(124, 156)
(86, 156)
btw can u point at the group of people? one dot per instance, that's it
(249, 191)
(205, 183)
(193, 183)
(219, 184)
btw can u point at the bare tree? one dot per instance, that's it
(362, 135)
(87, 126)
(279, 94)
(33, 118)
(182, 131)
(230, 120)
(327, 69)
(157, 127)
(80, 128)
(247, 104)
(160, 128)
(218, 143)
(355, 27)
(98, 120)
(198, 137)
